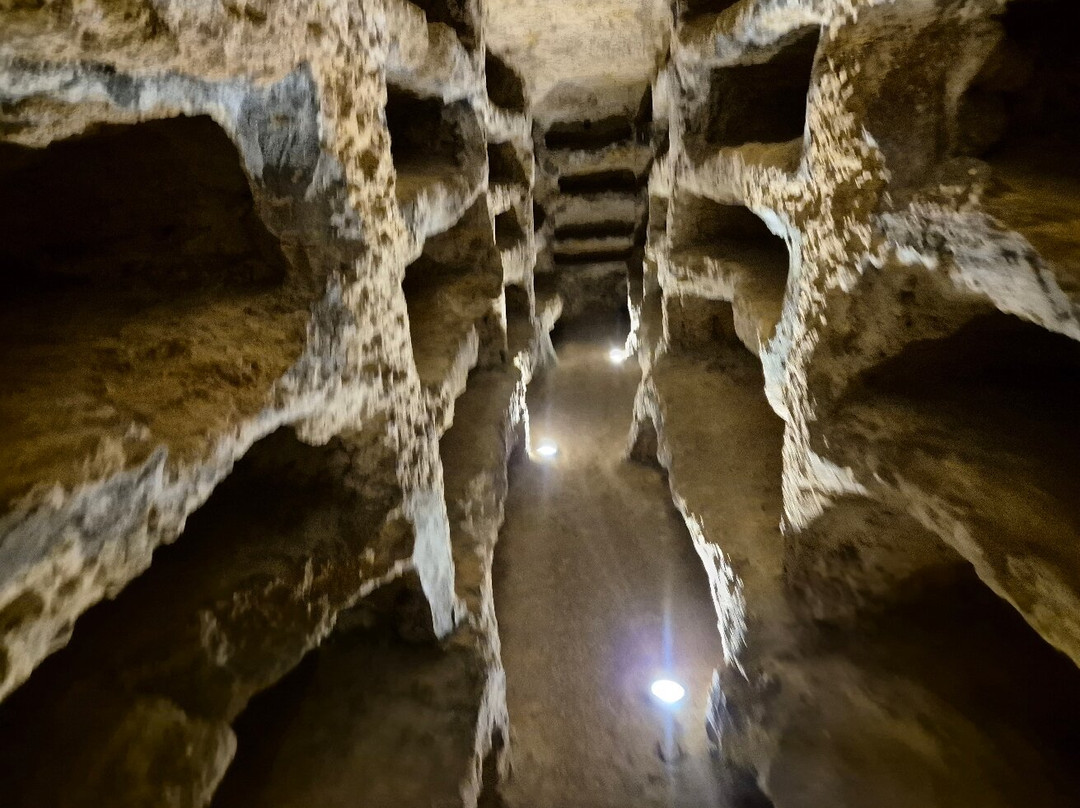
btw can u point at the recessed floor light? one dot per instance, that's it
(668, 691)
(617, 356)
(547, 448)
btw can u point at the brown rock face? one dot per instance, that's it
(918, 518)
(280, 274)
(254, 252)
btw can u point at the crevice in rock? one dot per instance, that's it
(489, 796)
(539, 217)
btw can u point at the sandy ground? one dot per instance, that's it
(598, 591)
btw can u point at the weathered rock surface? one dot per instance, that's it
(281, 272)
(258, 248)
(838, 195)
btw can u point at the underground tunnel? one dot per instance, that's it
(537, 404)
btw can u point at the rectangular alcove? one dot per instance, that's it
(763, 102)
(698, 326)
(131, 711)
(1006, 386)
(433, 145)
(727, 251)
(566, 255)
(997, 398)
(519, 318)
(588, 135)
(460, 15)
(692, 9)
(1021, 115)
(657, 216)
(597, 182)
(451, 290)
(509, 233)
(371, 718)
(505, 167)
(147, 305)
(504, 86)
(612, 228)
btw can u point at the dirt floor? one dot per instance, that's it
(598, 592)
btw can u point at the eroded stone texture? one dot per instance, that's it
(840, 190)
(274, 300)
(229, 225)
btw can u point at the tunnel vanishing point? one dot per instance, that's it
(299, 288)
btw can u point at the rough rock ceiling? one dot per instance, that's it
(580, 58)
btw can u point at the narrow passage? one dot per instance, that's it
(598, 592)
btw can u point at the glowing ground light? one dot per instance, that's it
(547, 448)
(668, 691)
(617, 356)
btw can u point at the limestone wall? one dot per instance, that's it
(257, 253)
(859, 317)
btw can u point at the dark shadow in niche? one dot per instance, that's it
(710, 238)
(1009, 381)
(453, 287)
(761, 103)
(519, 324)
(508, 230)
(1021, 114)
(489, 794)
(428, 143)
(371, 718)
(539, 216)
(458, 14)
(728, 232)
(699, 326)
(504, 86)
(143, 288)
(956, 639)
(590, 230)
(984, 418)
(223, 612)
(616, 181)
(591, 257)
(504, 165)
(691, 9)
(588, 135)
